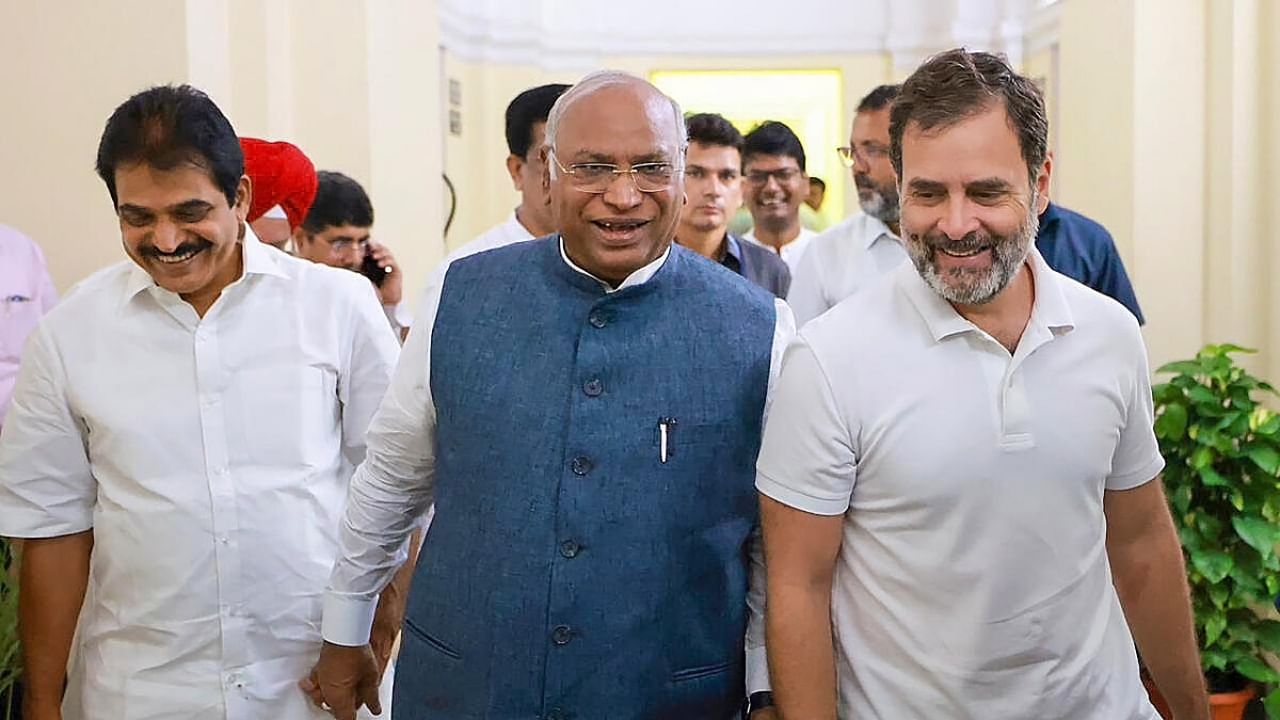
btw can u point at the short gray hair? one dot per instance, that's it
(595, 81)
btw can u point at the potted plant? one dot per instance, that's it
(1222, 449)
(10, 653)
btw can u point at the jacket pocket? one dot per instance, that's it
(427, 638)
(702, 671)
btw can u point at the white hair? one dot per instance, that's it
(593, 82)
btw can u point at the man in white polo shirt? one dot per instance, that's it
(959, 476)
(854, 254)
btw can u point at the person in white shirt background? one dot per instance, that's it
(26, 294)
(526, 124)
(775, 186)
(857, 251)
(181, 439)
(959, 478)
(338, 232)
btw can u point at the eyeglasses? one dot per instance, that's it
(761, 177)
(343, 246)
(850, 153)
(597, 177)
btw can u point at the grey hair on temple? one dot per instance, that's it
(595, 81)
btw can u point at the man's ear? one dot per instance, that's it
(515, 168)
(244, 198)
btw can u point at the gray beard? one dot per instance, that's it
(975, 288)
(880, 207)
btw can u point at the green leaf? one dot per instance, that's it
(1219, 594)
(1182, 367)
(1172, 423)
(1181, 499)
(1201, 458)
(1229, 348)
(1256, 670)
(1266, 458)
(1213, 659)
(1237, 499)
(1212, 564)
(1260, 534)
(1272, 704)
(1213, 627)
(1211, 478)
(1204, 395)
(1269, 634)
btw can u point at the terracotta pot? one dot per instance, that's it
(1225, 706)
(1230, 706)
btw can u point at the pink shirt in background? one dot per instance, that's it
(26, 294)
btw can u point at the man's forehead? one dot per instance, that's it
(763, 161)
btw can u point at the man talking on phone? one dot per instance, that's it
(336, 232)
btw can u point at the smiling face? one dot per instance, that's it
(969, 212)
(176, 224)
(616, 232)
(775, 187)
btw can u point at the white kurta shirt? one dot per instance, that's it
(210, 457)
(841, 261)
(396, 485)
(792, 252)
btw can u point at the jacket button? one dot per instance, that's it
(561, 635)
(593, 387)
(581, 465)
(598, 319)
(569, 548)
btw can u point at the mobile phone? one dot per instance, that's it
(370, 268)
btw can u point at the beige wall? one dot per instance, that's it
(68, 64)
(475, 160)
(355, 84)
(1169, 139)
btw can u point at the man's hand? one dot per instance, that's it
(392, 288)
(344, 678)
(768, 713)
(386, 626)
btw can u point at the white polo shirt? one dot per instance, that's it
(841, 261)
(973, 579)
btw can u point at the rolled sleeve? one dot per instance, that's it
(807, 459)
(47, 486)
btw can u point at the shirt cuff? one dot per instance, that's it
(799, 500)
(757, 671)
(398, 315)
(347, 620)
(1141, 476)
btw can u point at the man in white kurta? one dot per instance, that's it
(204, 450)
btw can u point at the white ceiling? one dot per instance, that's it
(576, 34)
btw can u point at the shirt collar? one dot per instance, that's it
(876, 230)
(1049, 310)
(516, 229)
(639, 277)
(258, 260)
(732, 248)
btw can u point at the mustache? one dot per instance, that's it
(864, 182)
(150, 250)
(972, 241)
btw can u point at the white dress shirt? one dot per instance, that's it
(792, 252)
(395, 485)
(26, 294)
(211, 458)
(840, 262)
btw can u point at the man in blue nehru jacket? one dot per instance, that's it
(584, 411)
